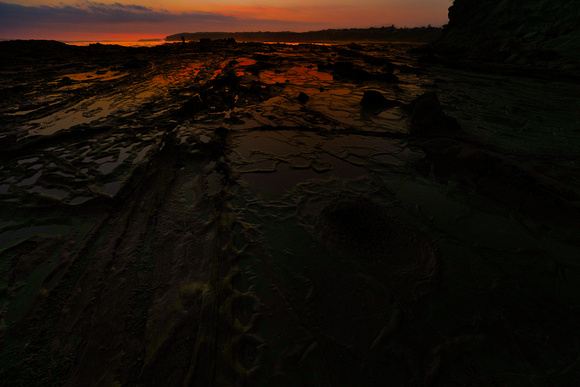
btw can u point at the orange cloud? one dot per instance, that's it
(258, 12)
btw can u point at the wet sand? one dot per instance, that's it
(230, 214)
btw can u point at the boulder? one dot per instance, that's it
(191, 107)
(427, 117)
(373, 99)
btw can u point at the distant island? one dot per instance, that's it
(380, 34)
(150, 40)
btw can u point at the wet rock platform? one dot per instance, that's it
(284, 214)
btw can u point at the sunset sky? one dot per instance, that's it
(70, 20)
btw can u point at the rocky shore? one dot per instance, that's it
(219, 213)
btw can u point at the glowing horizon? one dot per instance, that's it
(145, 19)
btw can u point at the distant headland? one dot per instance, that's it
(378, 34)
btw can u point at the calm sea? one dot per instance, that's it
(120, 43)
(160, 42)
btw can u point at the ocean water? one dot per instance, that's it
(125, 43)
(137, 43)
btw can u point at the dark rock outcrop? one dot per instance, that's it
(303, 98)
(191, 107)
(454, 154)
(348, 70)
(541, 33)
(373, 99)
(345, 69)
(427, 117)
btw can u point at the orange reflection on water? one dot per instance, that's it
(187, 73)
(241, 66)
(297, 75)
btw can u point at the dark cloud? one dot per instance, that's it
(92, 12)
(54, 22)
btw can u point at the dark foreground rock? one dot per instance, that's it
(428, 118)
(373, 99)
(453, 154)
(175, 215)
(303, 97)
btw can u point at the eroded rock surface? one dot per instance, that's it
(180, 215)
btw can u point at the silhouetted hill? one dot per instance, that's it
(32, 51)
(383, 34)
(520, 32)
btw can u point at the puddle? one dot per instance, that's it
(273, 185)
(111, 188)
(297, 76)
(59, 193)
(105, 160)
(142, 154)
(242, 64)
(79, 200)
(82, 113)
(21, 112)
(30, 180)
(260, 166)
(109, 166)
(265, 142)
(9, 238)
(93, 76)
(343, 169)
(388, 159)
(27, 161)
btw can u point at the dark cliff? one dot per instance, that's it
(541, 33)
